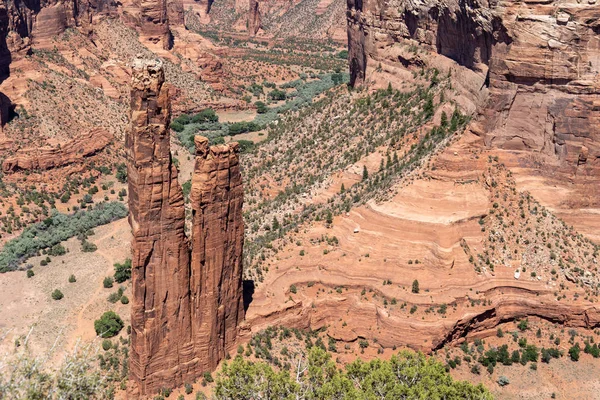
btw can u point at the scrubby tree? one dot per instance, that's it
(109, 325)
(415, 286)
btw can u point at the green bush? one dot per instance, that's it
(123, 271)
(57, 295)
(207, 115)
(124, 300)
(574, 352)
(415, 286)
(277, 95)
(109, 325)
(177, 127)
(108, 282)
(30, 273)
(261, 107)
(72, 279)
(106, 344)
(57, 250)
(59, 227)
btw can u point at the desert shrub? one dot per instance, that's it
(123, 271)
(106, 344)
(415, 286)
(59, 227)
(108, 282)
(246, 145)
(57, 295)
(114, 297)
(207, 115)
(277, 95)
(57, 250)
(109, 325)
(76, 377)
(124, 300)
(30, 273)
(72, 279)
(574, 352)
(503, 381)
(177, 127)
(261, 107)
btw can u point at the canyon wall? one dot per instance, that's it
(186, 303)
(529, 72)
(41, 159)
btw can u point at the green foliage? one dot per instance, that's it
(206, 115)
(60, 227)
(109, 325)
(108, 282)
(76, 377)
(121, 173)
(277, 95)
(343, 54)
(123, 271)
(124, 300)
(293, 289)
(177, 127)
(242, 127)
(57, 295)
(415, 286)
(88, 247)
(57, 250)
(30, 273)
(523, 325)
(72, 279)
(574, 352)
(261, 107)
(406, 375)
(245, 145)
(106, 344)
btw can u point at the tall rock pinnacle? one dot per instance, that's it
(187, 302)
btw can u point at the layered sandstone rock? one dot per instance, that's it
(82, 146)
(254, 20)
(217, 239)
(186, 301)
(527, 72)
(154, 22)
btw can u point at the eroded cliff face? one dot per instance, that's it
(253, 17)
(529, 72)
(186, 300)
(217, 240)
(71, 152)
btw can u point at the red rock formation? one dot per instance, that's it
(184, 316)
(154, 22)
(217, 239)
(254, 20)
(73, 151)
(533, 73)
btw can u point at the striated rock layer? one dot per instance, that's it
(73, 151)
(254, 17)
(187, 302)
(528, 71)
(217, 240)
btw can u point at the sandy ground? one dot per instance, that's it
(26, 304)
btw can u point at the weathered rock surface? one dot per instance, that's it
(184, 315)
(253, 17)
(73, 151)
(217, 240)
(529, 75)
